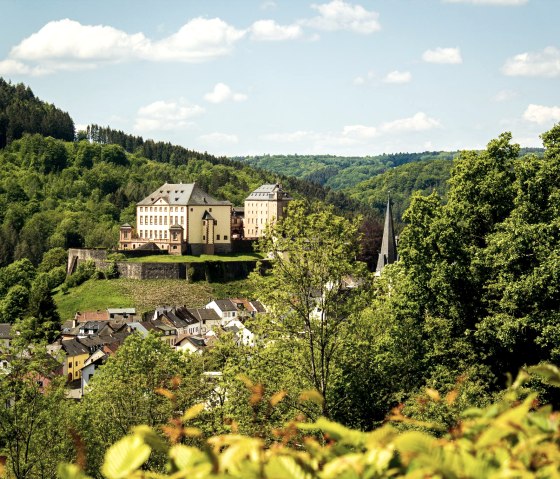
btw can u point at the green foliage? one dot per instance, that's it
(21, 112)
(513, 437)
(84, 271)
(34, 414)
(313, 254)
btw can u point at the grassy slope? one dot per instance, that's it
(195, 259)
(143, 294)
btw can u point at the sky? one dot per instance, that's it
(253, 77)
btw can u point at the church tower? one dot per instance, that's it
(388, 253)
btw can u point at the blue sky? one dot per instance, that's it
(262, 76)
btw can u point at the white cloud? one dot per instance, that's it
(64, 39)
(356, 134)
(398, 77)
(360, 131)
(443, 55)
(269, 30)
(217, 137)
(542, 114)
(419, 122)
(504, 3)
(198, 40)
(543, 64)
(222, 93)
(504, 95)
(339, 15)
(68, 45)
(166, 115)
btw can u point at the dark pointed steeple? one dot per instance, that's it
(388, 253)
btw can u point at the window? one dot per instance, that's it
(165, 234)
(141, 220)
(210, 210)
(225, 237)
(203, 237)
(165, 220)
(218, 237)
(125, 235)
(191, 209)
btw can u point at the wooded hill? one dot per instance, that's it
(57, 191)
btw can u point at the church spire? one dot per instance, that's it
(388, 253)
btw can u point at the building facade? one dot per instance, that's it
(181, 219)
(264, 206)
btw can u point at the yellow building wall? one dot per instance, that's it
(222, 229)
(74, 365)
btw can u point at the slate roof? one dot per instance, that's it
(98, 356)
(203, 314)
(225, 304)
(269, 192)
(5, 331)
(73, 347)
(182, 195)
(197, 341)
(149, 246)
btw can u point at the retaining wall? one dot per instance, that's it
(212, 271)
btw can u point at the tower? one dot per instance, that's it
(388, 253)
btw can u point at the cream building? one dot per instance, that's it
(264, 206)
(182, 219)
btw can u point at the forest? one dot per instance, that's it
(442, 366)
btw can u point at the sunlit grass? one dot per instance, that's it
(143, 294)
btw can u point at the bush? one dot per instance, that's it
(511, 438)
(84, 271)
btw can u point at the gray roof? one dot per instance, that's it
(182, 195)
(388, 253)
(269, 192)
(258, 306)
(226, 304)
(5, 331)
(203, 314)
(73, 347)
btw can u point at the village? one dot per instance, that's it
(177, 219)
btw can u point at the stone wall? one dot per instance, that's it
(213, 271)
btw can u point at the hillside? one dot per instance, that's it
(21, 112)
(60, 193)
(338, 172)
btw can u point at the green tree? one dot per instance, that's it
(34, 417)
(313, 254)
(124, 393)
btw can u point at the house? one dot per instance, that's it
(5, 336)
(191, 344)
(264, 206)
(225, 308)
(243, 335)
(204, 320)
(124, 314)
(240, 308)
(76, 354)
(91, 365)
(180, 218)
(167, 334)
(177, 317)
